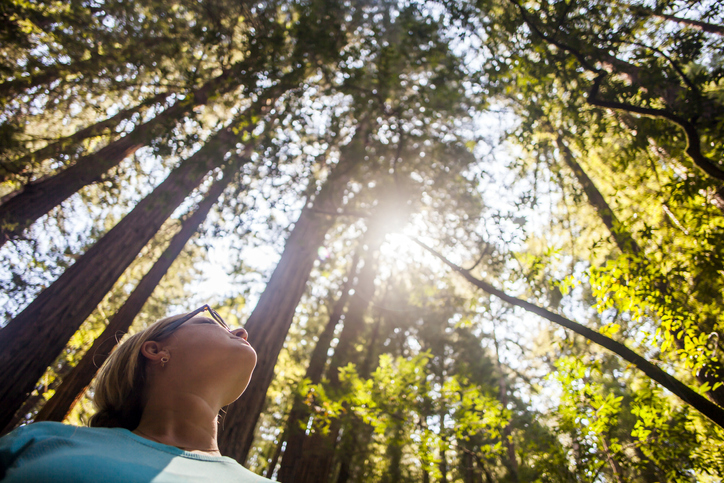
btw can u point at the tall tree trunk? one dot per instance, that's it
(74, 385)
(709, 409)
(507, 433)
(33, 401)
(270, 321)
(295, 433)
(39, 197)
(470, 474)
(318, 451)
(32, 340)
(69, 143)
(358, 434)
(620, 234)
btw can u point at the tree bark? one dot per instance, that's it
(270, 321)
(74, 385)
(394, 455)
(32, 340)
(67, 144)
(471, 473)
(38, 198)
(32, 402)
(709, 409)
(295, 433)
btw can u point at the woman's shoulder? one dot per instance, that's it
(44, 429)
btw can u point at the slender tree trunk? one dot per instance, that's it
(38, 198)
(69, 143)
(507, 434)
(344, 471)
(709, 409)
(354, 323)
(365, 368)
(275, 457)
(484, 469)
(443, 450)
(300, 412)
(620, 234)
(74, 385)
(394, 456)
(613, 464)
(32, 340)
(357, 434)
(270, 321)
(471, 475)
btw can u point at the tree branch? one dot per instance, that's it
(714, 412)
(693, 143)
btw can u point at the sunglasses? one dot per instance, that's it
(214, 315)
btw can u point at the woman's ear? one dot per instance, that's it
(153, 351)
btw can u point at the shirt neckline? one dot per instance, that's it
(172, 449)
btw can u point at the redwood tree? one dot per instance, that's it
(293, 433)
(74, 384)
(310, 458)
(67, 144)
(37, 198)
(270, 321)
(33, 339)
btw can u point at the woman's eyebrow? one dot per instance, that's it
(207, 320)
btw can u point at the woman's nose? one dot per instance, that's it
(241, 332)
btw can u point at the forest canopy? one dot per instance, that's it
(471, 241)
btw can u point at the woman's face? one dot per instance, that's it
(204, 356)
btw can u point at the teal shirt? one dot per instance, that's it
(54, 452)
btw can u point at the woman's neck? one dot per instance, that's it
(184, 420)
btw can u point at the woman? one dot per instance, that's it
(158, 397)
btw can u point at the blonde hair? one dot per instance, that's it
(119, 388)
